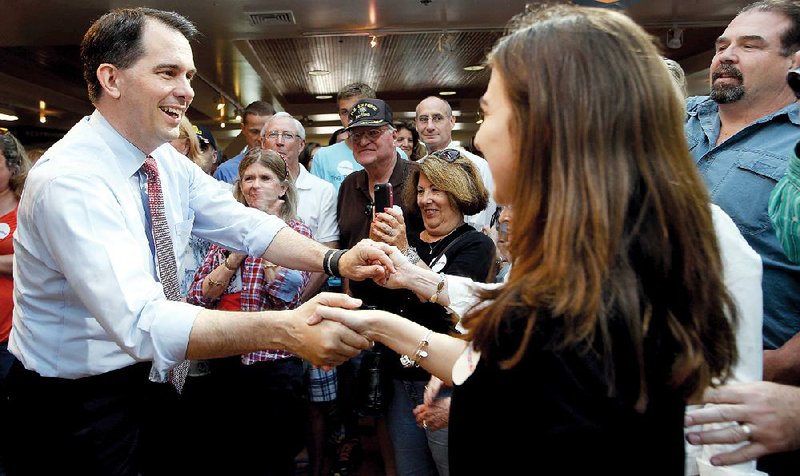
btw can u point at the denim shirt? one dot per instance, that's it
(740, 174)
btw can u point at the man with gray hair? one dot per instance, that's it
(335, 162)
(316, 198)
(435, 121)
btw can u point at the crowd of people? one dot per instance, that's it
(614, 277)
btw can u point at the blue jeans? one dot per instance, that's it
(417, 451)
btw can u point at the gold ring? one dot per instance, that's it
(424, 424)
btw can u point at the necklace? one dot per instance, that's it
(435, 243)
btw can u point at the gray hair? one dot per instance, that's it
(301, 131)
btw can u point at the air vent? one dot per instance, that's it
(284, 17)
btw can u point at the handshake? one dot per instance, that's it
(326, 330)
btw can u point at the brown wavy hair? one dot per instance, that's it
(611, 218)
(460, 180)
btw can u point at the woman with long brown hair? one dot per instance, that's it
(615, 313)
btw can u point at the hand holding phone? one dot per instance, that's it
(383, 197)
(383, 200)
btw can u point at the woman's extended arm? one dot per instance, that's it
(402, 336)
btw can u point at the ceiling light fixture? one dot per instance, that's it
(475, 67)
(479, 118)
(447, 93)
(318, 72)
(42, 116)
(373, 41)
(8, 115)
(324, 96)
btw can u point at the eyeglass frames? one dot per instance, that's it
(287, 136)
(372, 135)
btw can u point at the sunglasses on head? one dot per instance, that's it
(448, 155)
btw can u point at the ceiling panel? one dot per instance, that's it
(409, 64)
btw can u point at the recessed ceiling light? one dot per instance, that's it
(318, 72)
(8, 117)
(475, 67)
(324, 96)
(446, 93)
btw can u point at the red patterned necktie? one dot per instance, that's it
(165, 255)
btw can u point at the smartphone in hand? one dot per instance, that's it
(383, 197)
(383, 200)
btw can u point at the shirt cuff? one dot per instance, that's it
(171, 337)
(260, 237)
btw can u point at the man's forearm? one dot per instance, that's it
(782, 365)
(293, 250)
(221, 334)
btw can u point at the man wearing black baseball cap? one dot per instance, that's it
(369, 113)
(372, 139)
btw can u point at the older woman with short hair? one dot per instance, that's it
(444, 188)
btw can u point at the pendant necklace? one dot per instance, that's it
(433, 245)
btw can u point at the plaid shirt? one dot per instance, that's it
(257, 294)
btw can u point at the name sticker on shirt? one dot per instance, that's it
(440, 264)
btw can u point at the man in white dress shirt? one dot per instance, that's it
(435, 121)
(92, 322)
(316, 198)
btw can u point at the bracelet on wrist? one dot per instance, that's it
(419, 354)
(326, 262)
(227, 266)
(335, 262)
(439, 289)
(411, 255)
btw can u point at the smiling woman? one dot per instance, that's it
(235, 282)
(615, 312)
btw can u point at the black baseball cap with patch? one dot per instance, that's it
(370, 113)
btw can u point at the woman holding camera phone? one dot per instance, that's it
(442, 189)
(615, 312)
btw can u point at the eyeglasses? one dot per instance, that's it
(448, 155)
(436, 118)
(372, 135)
(287, 136)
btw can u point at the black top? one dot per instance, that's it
(559, 402)
(471, 255)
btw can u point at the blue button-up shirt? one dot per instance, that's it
(740, 174)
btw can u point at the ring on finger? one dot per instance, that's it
(746, 430)
(424, 424)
